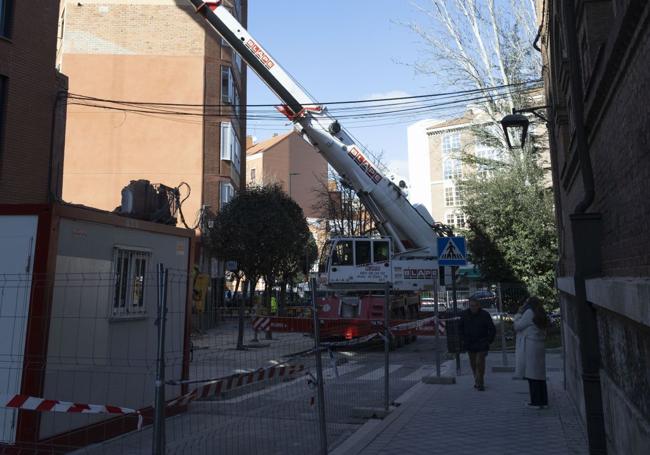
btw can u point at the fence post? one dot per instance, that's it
(504, 357)
(386, 345)
(159, 403)
(322, 424)
(437, 319)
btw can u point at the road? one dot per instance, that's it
(281, 418)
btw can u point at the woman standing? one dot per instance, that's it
(530, 324)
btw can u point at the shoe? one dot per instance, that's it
(530, 405)
(475, 386)
(481, 388)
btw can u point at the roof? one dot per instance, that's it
(265, 145)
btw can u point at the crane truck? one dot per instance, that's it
(405, 256)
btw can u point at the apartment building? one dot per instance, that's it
(435, 167)
(288, 160)
(155, 94)
(32, 104)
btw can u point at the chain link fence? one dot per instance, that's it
(84, 373)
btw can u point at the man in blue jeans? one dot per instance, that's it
(477, 331)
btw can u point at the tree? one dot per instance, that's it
(341, 209)
(258, 229)
(507, 201)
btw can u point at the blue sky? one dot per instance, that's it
(342, 50)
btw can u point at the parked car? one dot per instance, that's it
(486, 298)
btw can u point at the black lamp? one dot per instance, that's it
(515, 127)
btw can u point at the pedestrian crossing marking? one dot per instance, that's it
(378, 373)
(418, 374)
(452, 251)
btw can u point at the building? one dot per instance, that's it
(434, 149)
(596, 58)
(145, 52)
(79, 296)
(297, 166)
(32, 104)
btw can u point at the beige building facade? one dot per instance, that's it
(435, 166)
(154, 94)
(294, 164)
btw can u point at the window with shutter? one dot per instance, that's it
(226, 141)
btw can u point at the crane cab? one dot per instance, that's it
(353, 261)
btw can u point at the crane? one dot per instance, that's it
(406, 254)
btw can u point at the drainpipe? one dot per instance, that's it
(586, 230)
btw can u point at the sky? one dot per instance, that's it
(342, 50)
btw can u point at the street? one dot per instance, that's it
(280, 419)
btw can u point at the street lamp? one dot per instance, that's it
(515, 125)
(291, 174)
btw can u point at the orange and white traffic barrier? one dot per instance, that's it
(216, 387)
(29, 403)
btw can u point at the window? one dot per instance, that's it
(485, 155)
(238, 61)
(6, 10)
(342, 253)
(453, 196)
(130, 271)
(227, 86)
(362, 251)
(253, 172)
(451, 166)
(227, 193)
(381, 251)
(230, 145)
(455, 220)
(449, 197)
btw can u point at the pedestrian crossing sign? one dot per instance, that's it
(452, 251)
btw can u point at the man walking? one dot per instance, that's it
(478, 332)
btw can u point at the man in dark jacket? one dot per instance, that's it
(478, 332)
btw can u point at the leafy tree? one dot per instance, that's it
(258, 229)
(511, 234)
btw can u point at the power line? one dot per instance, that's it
(361, 101)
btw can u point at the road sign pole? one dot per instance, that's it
(386, 346)
(455, 300)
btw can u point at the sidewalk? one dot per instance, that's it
(457, 419)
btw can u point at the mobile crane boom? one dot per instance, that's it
(410, 228)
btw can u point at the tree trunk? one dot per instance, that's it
(240, 327)
(282, 301)
(267, 296)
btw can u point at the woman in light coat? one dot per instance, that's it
(530, 324)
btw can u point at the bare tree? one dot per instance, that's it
(481, 44)
(340, 208)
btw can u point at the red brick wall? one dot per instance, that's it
(27, 61)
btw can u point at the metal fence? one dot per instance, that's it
(119, 363)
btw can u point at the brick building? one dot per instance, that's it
(598, 92)
(151, 51)
(290, 161)
(32, 108)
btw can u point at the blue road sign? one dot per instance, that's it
(452, 251)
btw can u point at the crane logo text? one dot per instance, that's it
(260, 54)
(365, 165)
(419, 274)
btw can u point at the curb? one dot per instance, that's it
(361, 438)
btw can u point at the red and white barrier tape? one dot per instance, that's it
(261, 324)
(29, 403)
(218, 386)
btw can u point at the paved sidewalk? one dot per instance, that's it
(457, 419)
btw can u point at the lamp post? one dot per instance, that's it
(515, 126)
